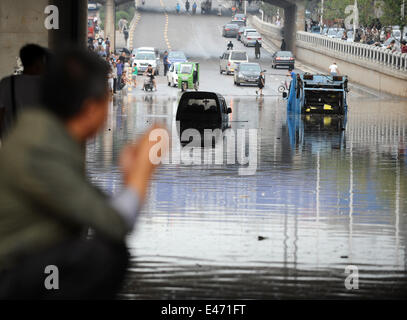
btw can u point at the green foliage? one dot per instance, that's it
(269, 9)
(392, 13)
(121, 15)
(102, 15)
(335, 9)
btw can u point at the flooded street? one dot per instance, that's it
(321, 199)
(326, 193)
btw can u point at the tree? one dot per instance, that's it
(335, 9)
(392, 14)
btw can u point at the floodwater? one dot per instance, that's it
(326, 194)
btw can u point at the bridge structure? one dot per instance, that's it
(22, 21)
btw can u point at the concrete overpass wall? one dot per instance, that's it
(21, 22)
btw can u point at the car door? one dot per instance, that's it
(170, 73)
(224, 110)
(236, 72)
(224, 60)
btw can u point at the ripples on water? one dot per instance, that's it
(322, 198)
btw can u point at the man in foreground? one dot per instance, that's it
(48, 205)
(18, 92)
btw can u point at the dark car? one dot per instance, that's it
(283, 58)
(200, 110)
(230, 30)
(247, 73)
(240, 23)
(240, 16)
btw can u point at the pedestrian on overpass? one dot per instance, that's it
(257, 49)
(47, 202)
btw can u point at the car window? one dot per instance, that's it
(186, 68)
(145, 56)
(176, 55)
(238, 56)
(284, 54)
(253, 34)
(202, 104)
(250, 67)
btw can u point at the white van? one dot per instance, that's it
(231, 59)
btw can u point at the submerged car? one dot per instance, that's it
(202, 106)
(202, 110)
(317, 93)
(283, 58)
(247, 73)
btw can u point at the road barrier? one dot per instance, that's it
(353, 52)
(374, 67)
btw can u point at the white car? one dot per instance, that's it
(230, 59)
(172, 75)
(250, 38)
(143, 59)
(245, 31)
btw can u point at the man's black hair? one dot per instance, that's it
(31, 53)
(74, 75)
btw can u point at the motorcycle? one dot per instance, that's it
(148, 83)
(283, 87)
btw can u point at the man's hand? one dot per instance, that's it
(136, 165)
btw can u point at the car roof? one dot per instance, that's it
(146, 49)
(250, 63)
(284, 52)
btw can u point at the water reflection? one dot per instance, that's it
(322, 198)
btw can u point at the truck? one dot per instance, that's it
(317, 93)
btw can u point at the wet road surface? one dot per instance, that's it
(322, 198)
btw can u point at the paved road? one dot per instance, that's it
(200, 37)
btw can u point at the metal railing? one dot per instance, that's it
(355, 51)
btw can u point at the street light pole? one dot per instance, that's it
(245, 4)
